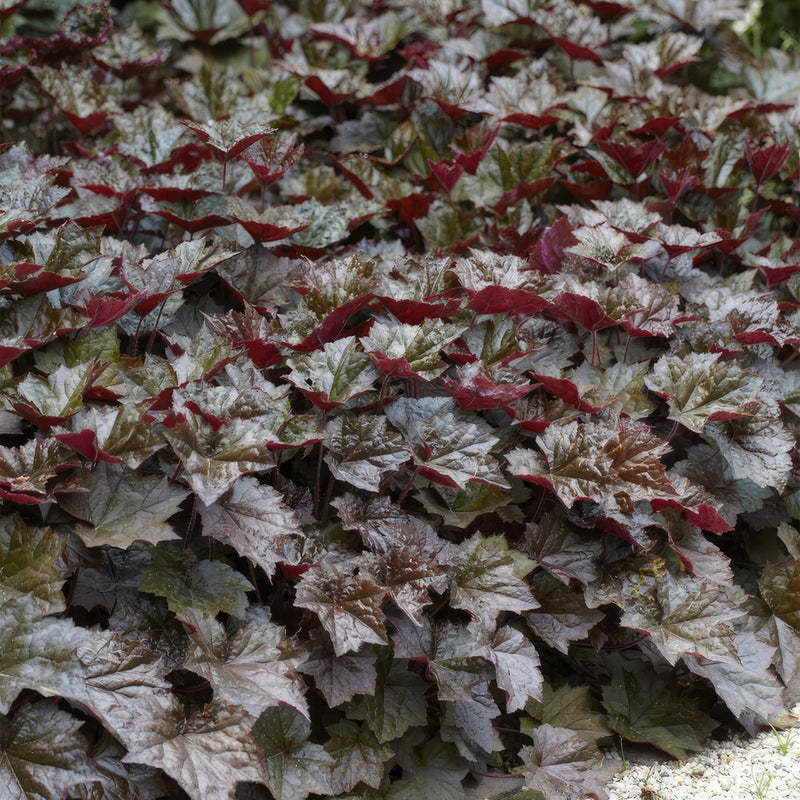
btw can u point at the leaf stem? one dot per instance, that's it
(319, 473)
(408, 486)
(190, 527)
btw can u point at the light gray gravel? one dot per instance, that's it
(741, 768)
(738, 769)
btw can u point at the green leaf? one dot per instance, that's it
(253, 668)
(486, 577)
(122, 683)
(517, 664)
(686, 615)
(457, 655)
(357, 755)
(348, 605)
(646, 707)
(567, 707)
(435, 770)
(42, 755)
(208, 586)
(114, 434)
(36, 652)
(253, 519)
(779, 585)
(757, 446)
(561, 764)
(333, 375)
(448, 448)
(293, 766)
(362, 450)
(122, 506)
(562, 616)
(410, 350)
(207, 754)
(396, 703)
(406, 576)
(28, 559)
(55, 397)
(339, 678)
(700, 388)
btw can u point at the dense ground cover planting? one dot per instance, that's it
(391, 392)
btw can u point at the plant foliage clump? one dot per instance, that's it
(391, 392)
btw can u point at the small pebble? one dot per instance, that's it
(731, 770)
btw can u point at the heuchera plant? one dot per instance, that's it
(391, 393)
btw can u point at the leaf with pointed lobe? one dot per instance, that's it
(778, 585)
(767, 162)
(253, 667)
(123, 685)
(43, 756)
(468, 724)
(214, 459)
(230, 137)
(563, 550)
(448, 448)
(384, 526)
(757, 445)
(37, 652)
(408, 351)
(50, 400)
(128, 52)
(686, 615)
(357, 755)
(516, 664)
(568, 707)
(361, 450)
(457, 655)
(560, 763)
(613, 466)
(110, 434)
(435, 770)
(252, 518)
(498, 284)
(562, 616)
(658, 311)
(646, 707)
(25, 471)
(348, 606)
(702, 558)
(395, 702)
(171, 270)
(476, 387)
(752, 692)
(460, 507)
(487, 577)
(339, 678)
(271, 156)
(186, 582)
(293, 767)
(272, 224)
(207, 754)
(333, 375)
(701, 388)
(86, 102)
(28, 557)
(407, 576)
(121, 506)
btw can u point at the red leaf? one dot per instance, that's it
(576, 50)
(766, 163)
(500, 300)
(481, 393)
(581, 310)
(448, 172)
(634, 158)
